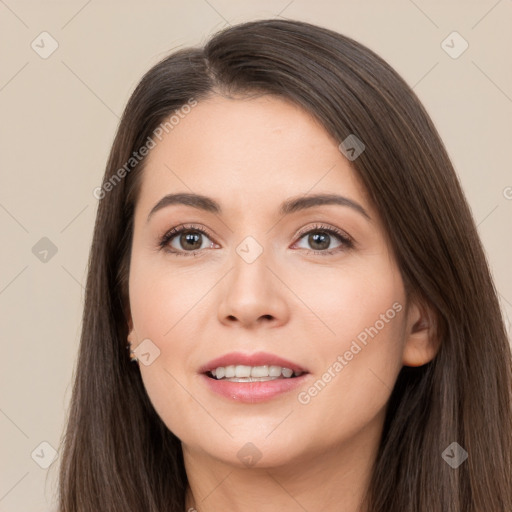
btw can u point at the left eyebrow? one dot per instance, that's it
(289, 206)
(303, 202)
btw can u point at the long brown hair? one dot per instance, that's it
(119, 456)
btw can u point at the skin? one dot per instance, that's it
(250, 154)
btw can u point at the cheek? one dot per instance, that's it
(174, 401)
(359, 355)
(165, 302)
(163, 298)
(347, 300)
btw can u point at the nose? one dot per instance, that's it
(253, 295)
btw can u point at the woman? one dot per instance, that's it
(330, 340)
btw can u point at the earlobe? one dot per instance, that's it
(421, 343)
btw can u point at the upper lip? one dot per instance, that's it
(256, 359)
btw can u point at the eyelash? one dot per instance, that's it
(347, 242)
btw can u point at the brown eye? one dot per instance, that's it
(190, 240)
(320, 239)
(185, 240)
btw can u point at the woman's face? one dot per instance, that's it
(276, 273)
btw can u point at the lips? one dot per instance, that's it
(252, 389)
(256, 359)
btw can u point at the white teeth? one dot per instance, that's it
(287, 372)
(242, 371)
(230, 371)
(253, 373)
(259, 371)
(274, 371)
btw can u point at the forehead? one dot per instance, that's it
(248, 151)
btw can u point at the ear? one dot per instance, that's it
(421, 341)
(132, 337)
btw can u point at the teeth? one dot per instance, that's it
(242, 371)
(253, 373)
(259, 371)
(287, 372)
(274, 371)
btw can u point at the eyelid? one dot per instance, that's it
(177, 230)
(324, 227)
(347, 242)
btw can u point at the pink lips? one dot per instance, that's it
(252, 392)
(257, 359)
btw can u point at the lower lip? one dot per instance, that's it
(253, 392)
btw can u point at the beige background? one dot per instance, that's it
(58, 118)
